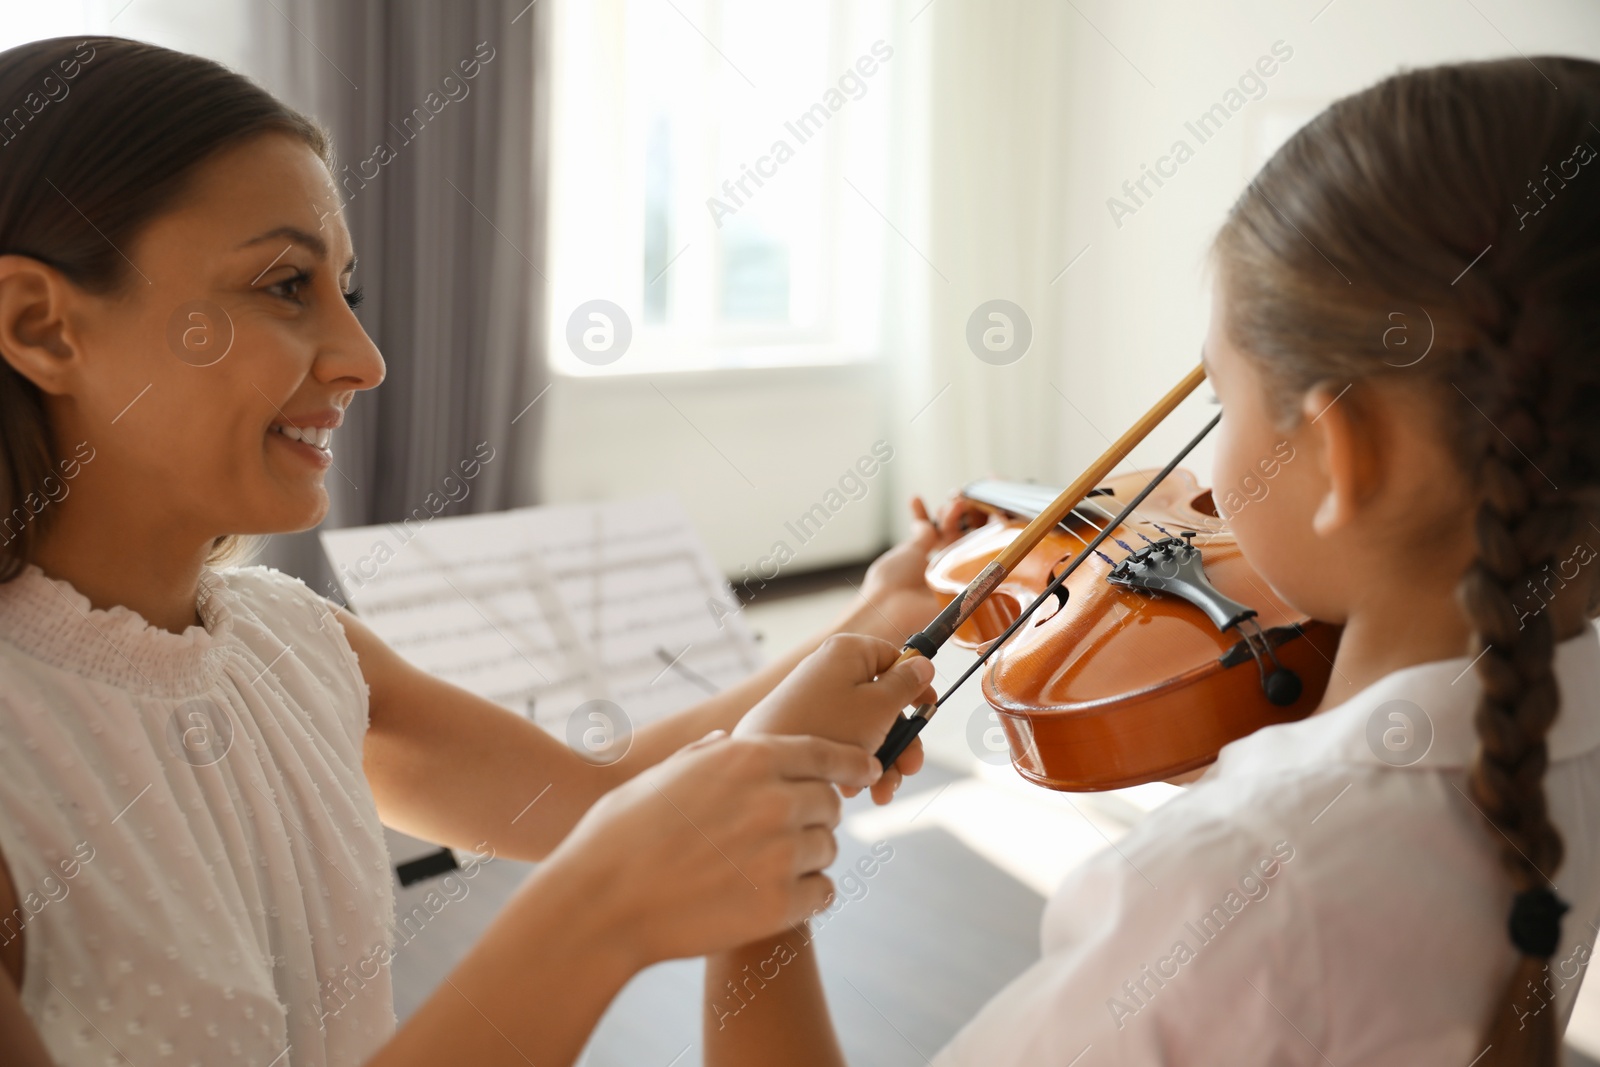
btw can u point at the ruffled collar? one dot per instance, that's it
(51, 621)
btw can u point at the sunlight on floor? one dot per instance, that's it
(1033, 834)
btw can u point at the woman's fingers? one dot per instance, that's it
(801, 757)
(811, 894)
(816, 804)
(713, 736)
(906, 684)
(814, 851)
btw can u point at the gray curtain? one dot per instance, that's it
(443, 179)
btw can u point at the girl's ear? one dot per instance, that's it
(37, 337)
(1346, 437)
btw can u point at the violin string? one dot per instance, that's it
(1097, 506)
(1069, 530)
(1129, 549)
(1106, 512)
(1061, 579)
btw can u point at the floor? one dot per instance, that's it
(957, 905)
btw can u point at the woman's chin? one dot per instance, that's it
(296, 512)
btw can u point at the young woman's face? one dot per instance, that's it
(234, 327)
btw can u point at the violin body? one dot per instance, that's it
(1120, 686)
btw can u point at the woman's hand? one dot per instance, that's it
(849, 690)
(899, 602)
(720, 844)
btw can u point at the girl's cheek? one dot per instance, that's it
(1225, 475)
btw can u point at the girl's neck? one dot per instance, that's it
(1407, 625)
(1383, 639)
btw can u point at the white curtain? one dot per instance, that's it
(437, 111)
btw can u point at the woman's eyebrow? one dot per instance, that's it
(316, 244)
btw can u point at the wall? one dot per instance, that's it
(1135, 308)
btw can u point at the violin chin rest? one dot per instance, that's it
(1283, 687)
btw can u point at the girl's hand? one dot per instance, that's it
(720, 844)
(849, 690)
(896, 587)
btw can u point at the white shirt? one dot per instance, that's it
(1307, 902)
(202, 875)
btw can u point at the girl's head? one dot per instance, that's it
(173, 267)
(1409, 293)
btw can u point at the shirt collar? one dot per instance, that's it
(1422, 717)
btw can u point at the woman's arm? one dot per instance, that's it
(448, 766)
(18, 1039)
(723, 843)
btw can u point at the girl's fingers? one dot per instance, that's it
(910, 761)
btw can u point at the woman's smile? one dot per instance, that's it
(309, 437)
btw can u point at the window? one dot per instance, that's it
(703, 154)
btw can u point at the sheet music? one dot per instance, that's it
(543, 609)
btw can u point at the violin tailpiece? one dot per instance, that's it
(1173, 565)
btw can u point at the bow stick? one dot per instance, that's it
(928, 642)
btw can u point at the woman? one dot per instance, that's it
(159, 906)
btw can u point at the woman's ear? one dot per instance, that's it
(1348, 441)
(37, 337)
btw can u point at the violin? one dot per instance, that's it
(1115, 683)
(1128, 640)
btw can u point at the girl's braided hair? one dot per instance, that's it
(1461, 204)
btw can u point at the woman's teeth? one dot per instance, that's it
(316, 437)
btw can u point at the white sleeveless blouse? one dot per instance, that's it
(201, 874)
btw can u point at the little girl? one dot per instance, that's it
(1409, 295)
(194, 759)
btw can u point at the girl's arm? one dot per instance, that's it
(787, 1025)
(786, 1022)
(448, 766)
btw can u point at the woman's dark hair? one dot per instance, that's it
(1466, 197)
(98, 137)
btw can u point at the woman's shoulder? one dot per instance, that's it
(295, 615)
(260, 583)
(282, 602)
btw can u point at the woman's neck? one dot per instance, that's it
(141, 570)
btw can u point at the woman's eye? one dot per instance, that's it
(290, 287)
(354, 297)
